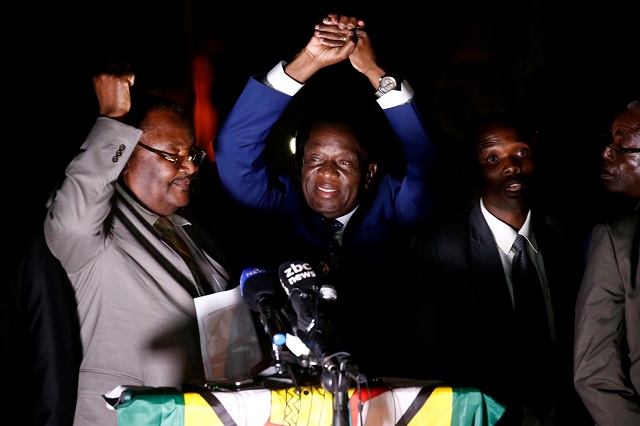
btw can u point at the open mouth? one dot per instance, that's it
(327, 190)
(514, 185)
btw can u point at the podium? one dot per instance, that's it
(385, 402)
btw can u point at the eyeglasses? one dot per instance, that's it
(622, 151)
(196, 156)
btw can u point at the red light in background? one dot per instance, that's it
(205, 115)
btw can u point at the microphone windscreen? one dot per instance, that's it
(257, 283)
(300, 275)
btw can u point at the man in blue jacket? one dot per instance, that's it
(338, 177)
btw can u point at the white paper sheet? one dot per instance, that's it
(228, 336)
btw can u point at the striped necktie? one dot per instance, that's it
(176, 242)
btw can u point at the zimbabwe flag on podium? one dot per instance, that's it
(312, 406)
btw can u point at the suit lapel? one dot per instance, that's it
(486, 263)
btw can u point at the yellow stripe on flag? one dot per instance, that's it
(198, 412)
(436, 411)
(313, 403)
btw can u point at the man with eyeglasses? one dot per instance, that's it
(622, 156)
(135, 282)
(607, 317)
(180, 161)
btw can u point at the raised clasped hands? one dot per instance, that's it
(343, 35)
(338, 31)
(334, 40)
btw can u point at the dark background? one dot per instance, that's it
(568, 70)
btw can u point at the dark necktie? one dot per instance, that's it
(531, 317)
(332, 226)
(527, 293)
(176, 242)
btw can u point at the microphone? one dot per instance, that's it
(302, 282)
(309, 296)
(307, 277)
(259, 290)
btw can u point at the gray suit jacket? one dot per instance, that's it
(607, 341)
(137, 317)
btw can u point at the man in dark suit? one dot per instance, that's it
(468, 318)
(42, 338)
(607, 322)
(338, 177)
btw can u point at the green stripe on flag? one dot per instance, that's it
(472, 408)
(167, 410)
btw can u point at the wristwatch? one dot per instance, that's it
(387, 83)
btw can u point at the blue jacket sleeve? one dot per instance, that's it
(240, 147)
(412, 199)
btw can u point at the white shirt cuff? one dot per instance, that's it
(396, 97)
(280, 81)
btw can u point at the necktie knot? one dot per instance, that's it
(163, 225)
(521, 261)
(332, 225)
(520, 243)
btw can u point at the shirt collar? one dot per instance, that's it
(504, 234)
(345, 219)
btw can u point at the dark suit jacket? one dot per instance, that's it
(464, 316)
(46, 353)
(372, 243)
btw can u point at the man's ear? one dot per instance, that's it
(371, 171)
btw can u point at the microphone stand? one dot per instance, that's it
(336, 382)
(336, 376)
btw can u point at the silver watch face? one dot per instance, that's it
(387, 83)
